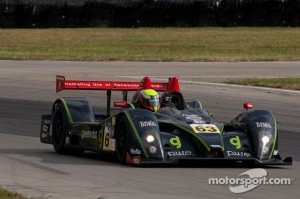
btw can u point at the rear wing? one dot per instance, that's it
(62, 84)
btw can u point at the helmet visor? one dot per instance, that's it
(154, 102)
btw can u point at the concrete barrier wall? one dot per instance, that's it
(148, 13)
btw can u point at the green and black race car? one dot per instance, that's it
(181, 131)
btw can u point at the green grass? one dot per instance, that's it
(291, 83)
(4, 194)
(152, 44)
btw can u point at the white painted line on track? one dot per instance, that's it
(218, 84)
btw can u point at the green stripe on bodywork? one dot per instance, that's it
(222, 129)
(200, 104)
(137, 134)
(189, 131)
(67, 110)
(131, 105)
(274, 143)
(222, 138)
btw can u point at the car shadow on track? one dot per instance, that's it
(108, 159)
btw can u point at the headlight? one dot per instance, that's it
(152, 149)
(265, 144)
(150, 138)
(152, 144)
(265, 139)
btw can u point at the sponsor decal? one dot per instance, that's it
(238, 153)
(44, 135)
(45, 128)
(135, 151)
(89, 134)
(96, 84)
(180, 153)
(176, 142)
(195, 118)
(127, 85)
(235, 141)
(147, 123)
(78, 84)
(263, 125)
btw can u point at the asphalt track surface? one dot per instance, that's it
(27, 90)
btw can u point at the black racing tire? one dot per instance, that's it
(122, 140)
(59, 131)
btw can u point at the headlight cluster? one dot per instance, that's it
(152, 144)
(265, 144)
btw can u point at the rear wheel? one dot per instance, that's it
(122, 140)
(59, 132)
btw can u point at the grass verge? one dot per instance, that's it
(291, 83)
(152, 44)
(5, 194)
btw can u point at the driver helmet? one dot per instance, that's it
(149, 99)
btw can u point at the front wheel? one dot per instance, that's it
(122, 140)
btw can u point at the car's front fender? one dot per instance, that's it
(261, 129)
(145, 137)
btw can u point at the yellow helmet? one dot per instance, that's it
(149, 99)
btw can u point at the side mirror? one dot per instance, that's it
(248, 105)
(120, 104)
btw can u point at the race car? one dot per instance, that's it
(181, 131)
